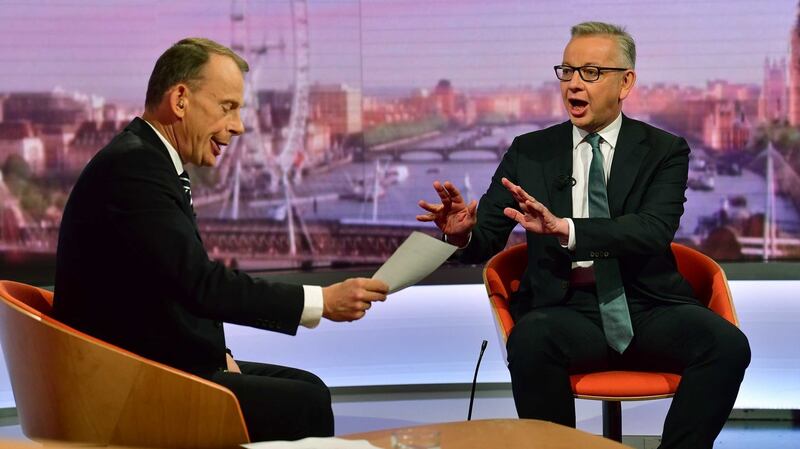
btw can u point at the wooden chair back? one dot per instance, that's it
(69, 386)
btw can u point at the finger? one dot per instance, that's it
(444, 195)
(538, 207)
(528, 207)
(518, 197)
(372, 296)
(426, 217)
(430, 207)
(519, 193)
(375, 285)
(514, 214)
(473, 207)
(508, 184)
(446, 200)
(453, 192)
(523, 194)
(524, 220)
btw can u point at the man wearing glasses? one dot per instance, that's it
(600, 197)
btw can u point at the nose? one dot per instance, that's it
(576, 83)
(237, 126)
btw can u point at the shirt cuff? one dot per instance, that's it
(469, 239)
(570, 245)
(312, 309)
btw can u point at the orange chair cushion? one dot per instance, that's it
(624, 384)
(36, 301)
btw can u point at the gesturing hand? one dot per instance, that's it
(349, 300)
(452, 216)
(535, 217)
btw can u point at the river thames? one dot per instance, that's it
(345, 192)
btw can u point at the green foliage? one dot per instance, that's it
(34, 195)
(59, 200)
(34, 201)
(785, 138)
(16, 167)
(391, 132)
(15, 184)
(495, 118)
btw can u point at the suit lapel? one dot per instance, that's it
(139, 127)
(558, 166)
(628, 156)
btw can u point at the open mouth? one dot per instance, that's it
(577, 106)
(216, 147)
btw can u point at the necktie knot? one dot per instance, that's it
(593, 140)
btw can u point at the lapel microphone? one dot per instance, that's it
(475, 380)
(563, 181)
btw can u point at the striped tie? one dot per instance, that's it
(187, 185)
(610, 291)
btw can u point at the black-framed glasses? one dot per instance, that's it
(588, 73)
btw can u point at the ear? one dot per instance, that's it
(628, 80)
(178, 100)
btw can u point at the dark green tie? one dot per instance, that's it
(610, 292)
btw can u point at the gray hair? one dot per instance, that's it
(182, 63)
(624, 40)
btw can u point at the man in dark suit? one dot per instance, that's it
(132, 270)
(600, 197)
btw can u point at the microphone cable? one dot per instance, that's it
(475, 380)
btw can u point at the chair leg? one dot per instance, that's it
(612, 420)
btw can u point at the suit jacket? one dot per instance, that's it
(131, 268)
(646, 189)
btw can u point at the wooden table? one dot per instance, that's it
(501, 434)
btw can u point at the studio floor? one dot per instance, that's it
(367, 409)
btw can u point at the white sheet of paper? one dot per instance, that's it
(312, 443)
(416, 258)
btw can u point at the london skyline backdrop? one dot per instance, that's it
(107, 48)
(715, 72)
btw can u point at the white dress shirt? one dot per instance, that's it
(312, 294)
(581, 160)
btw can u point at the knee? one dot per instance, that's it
(316, 394)
(311, 378)
(732, 350)
(739, 350)
(530, 342)
(315, 410)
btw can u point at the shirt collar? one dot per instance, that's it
(609, 134)
(173, 154)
